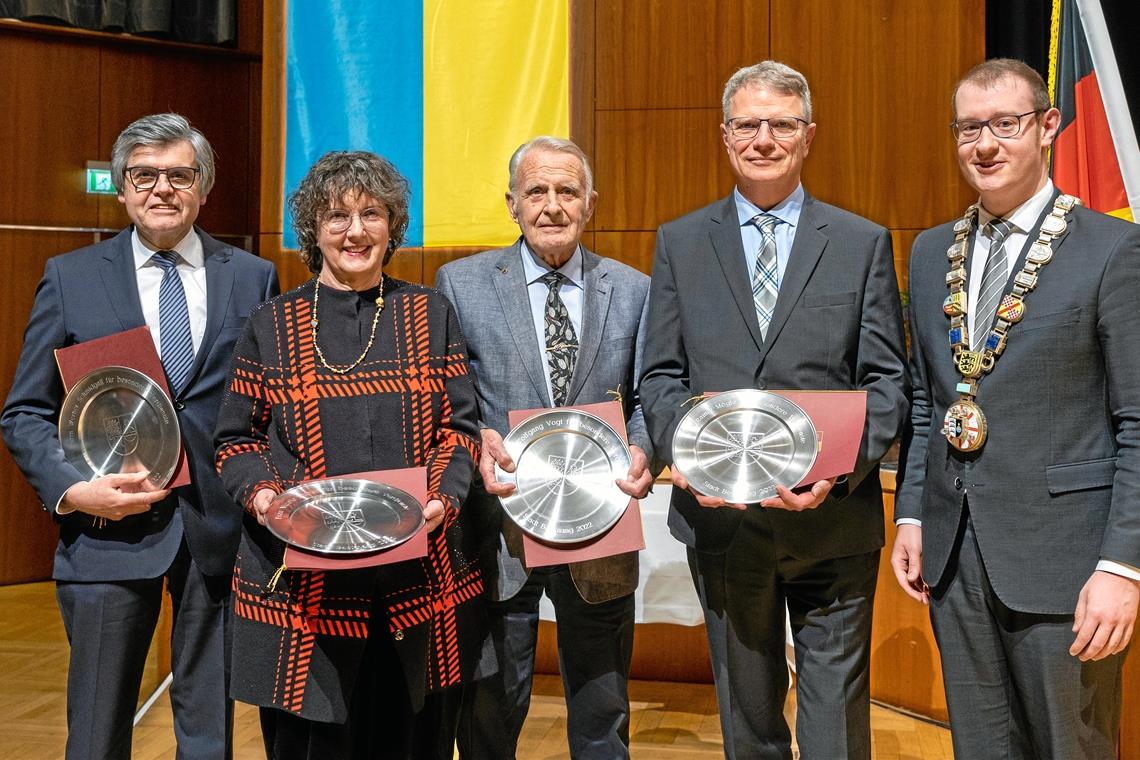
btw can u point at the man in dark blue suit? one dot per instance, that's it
(119, 541)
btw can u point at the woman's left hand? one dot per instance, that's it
(433, 514)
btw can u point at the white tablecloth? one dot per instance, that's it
(665, 593)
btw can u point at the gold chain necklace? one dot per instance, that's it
(341, 369)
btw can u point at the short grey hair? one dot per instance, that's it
(771, 75)
(160, 130)
(554, 145)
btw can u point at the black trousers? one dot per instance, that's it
(381, 724)
(110, 625)
(1013, 690)
(595, 648)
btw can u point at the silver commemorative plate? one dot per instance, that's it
(116, 419)
(344, 516)
(566, 462)
(739, 445)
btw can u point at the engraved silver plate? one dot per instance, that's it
(116, 419)
(1053, 225)
(739, 445)
(344, 516)
(1040, 253)
(566, 462)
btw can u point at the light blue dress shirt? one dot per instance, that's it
(571, 293)
(787, 211)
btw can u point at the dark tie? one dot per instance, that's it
(561, 340)
(765, 276)
(993, 281)
(177, 351)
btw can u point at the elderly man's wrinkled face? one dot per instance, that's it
(550, 204)
(163, 214)
(353, 238)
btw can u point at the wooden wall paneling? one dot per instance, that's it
(25, 553)
(652, 166)
(881, 74)
(407, 264)
(632, 248)
(249, 24)
(48, 109)
(272, 133)
(675, 53)
(582, 70)
(139, 82)
(905, 667)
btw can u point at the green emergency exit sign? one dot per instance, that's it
(99, 178)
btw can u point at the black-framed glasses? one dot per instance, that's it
(146, 177)
(1004, 126)
(338, 221)
(781, 127)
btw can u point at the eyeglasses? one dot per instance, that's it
(146, 177)
(338, 221)
(1005, 127)
(747, 127)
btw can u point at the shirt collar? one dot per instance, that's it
(787, 210)
(534, 267)
(189, 248)
(1025, 216)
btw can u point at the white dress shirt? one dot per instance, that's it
(571, 293)
(191, 270)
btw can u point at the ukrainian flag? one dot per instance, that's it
(445, 89)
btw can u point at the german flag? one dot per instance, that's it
(1095, 154)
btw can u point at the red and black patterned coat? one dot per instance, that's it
(287, 419)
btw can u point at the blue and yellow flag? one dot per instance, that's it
(445, 89)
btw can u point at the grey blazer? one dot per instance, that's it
(489, 292)
(1057, 485)
(837, 325)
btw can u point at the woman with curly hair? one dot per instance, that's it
(353, 371)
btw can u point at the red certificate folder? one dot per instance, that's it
(624, 536)
(413, 480)
(838, 417)
(131, 348)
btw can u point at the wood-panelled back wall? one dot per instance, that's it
(65, 95)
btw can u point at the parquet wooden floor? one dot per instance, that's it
(670, 721)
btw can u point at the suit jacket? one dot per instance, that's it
(837, 325)
(93, 292)
(489, 292)
(1057, 484)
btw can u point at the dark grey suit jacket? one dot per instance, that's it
(93, 292)
(1057, 485)
(837, 325)
(489, 292)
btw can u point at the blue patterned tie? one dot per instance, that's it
(766, 275)
(177, 352)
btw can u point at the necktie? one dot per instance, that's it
(765, 277)
(177, 351)
(561, 340)
(993, 281)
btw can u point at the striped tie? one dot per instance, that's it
(177, 347)
(561, 340)
(993, 281)
(765, 277)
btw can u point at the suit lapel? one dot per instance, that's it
(121, 282)
(511, 289)
(219, 286)
(806, 249)
(724, 233)
(595, 308)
